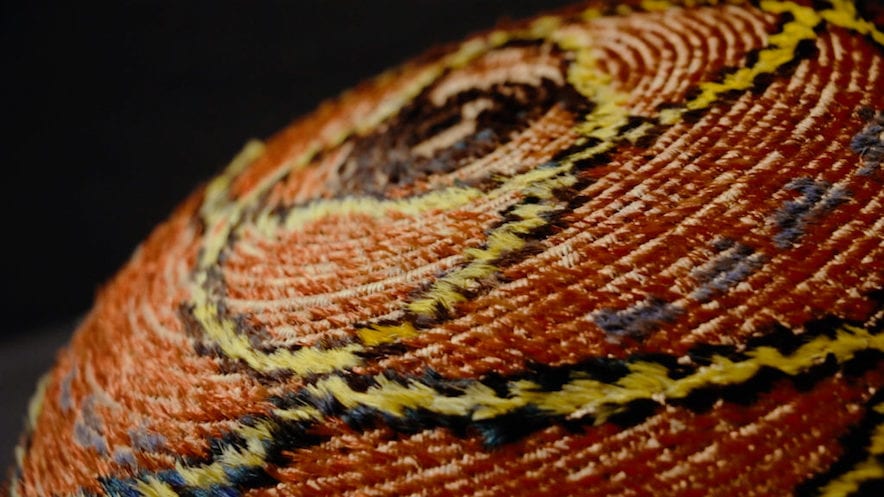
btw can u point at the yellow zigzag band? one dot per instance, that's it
(583, 396)
(868, 469)
(781, 48)
(580, 397)
(842, 14)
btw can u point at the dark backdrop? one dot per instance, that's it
(112, 113)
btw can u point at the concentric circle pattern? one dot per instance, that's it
(622, 250)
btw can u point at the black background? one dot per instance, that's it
(112, 113)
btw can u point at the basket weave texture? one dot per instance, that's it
(625, 249)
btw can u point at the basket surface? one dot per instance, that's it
(626, 249)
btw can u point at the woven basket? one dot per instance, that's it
(622, 250)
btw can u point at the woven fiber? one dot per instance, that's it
(623, 250)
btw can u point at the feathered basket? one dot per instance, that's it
(621, 250)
